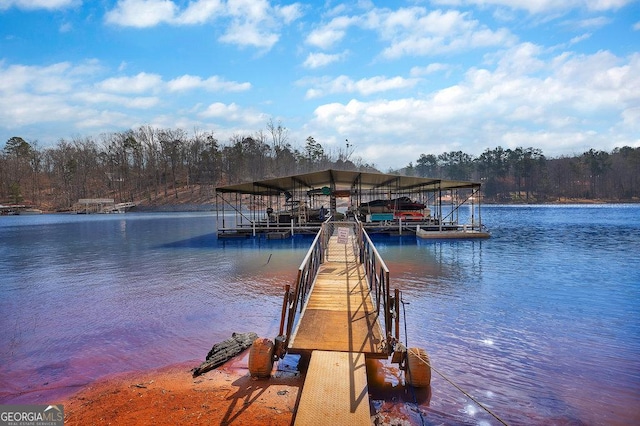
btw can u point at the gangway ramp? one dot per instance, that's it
(340, 314)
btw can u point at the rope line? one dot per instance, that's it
(407, 370)
(426, 361)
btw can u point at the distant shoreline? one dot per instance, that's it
(190, 207)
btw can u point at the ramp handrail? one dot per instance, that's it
(378, 276)
(292, 299)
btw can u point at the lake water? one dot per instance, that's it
(540, 323)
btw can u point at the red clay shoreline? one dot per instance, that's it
(227, 395)
(171, 396)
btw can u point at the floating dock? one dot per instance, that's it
(384, 203)
(339, 326)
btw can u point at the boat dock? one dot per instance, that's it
(383, 203)
(341, 310)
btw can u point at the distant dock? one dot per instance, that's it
(383, 203)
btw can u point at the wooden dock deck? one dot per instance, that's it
(339, 314)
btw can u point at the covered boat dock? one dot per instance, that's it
(384, 203)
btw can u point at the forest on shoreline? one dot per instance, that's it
(153, 166)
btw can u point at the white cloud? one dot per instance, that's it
(541, 6)
(246, 22)
(289, 13)
(592, 23)
(366, 86)
(580, 38)
(220, 110)
(234, 113)
(153, 83)
(141, 13)
(214, 84)
(249, 34)
(139, 83)
(96, 119)
(74, 97)
(416, 32)
(318, 60)
(199, 12)
(38, 4)
(136, 102)
(326, 36)
(413, 31)
(429, 69)
(563, 103)
(56, 78)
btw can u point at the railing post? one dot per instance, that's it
(396, 296)
(285, 303)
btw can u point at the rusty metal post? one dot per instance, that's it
(285, 302)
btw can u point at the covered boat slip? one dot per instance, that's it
(383, 202)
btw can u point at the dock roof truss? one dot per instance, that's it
(342, 179)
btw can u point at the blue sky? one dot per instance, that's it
(395, 78)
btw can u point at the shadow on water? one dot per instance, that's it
(211, 241)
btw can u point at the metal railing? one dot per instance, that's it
(375, 269)
(294, 300)
(378, 276)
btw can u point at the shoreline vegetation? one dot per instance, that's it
(167, 167)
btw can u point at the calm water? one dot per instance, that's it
(541, 323)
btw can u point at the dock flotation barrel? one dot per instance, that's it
(418, 368)
(261, 357)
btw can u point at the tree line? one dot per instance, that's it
(526, 175)
(150, 164)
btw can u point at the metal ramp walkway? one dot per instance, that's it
(335, 391)
(340, 314)
(345, 316)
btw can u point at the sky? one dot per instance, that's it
(383, 81)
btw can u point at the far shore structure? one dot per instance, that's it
(384, 203)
